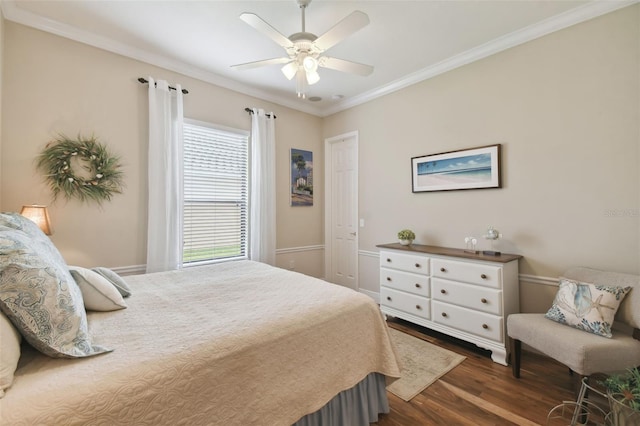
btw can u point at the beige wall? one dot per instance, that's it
(564, 107)
(55, 85)
(1, 74)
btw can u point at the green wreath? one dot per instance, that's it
(81, 168)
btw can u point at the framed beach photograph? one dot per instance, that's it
(301, 177)
(464, 169)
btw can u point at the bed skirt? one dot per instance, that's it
(357, 406)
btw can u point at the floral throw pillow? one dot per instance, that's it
(586, 306)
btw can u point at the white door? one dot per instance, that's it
(341, 210)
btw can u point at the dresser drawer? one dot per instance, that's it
(404, 262)
(406, 302)
(468, 295)
(478, 323)
(405, 281)
(475, 273)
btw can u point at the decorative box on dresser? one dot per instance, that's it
(465, 295)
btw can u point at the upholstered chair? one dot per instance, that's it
(583, 352)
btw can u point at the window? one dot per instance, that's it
(215, 192)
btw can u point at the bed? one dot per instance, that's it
(234, 343)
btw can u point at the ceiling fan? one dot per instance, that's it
(305, 50)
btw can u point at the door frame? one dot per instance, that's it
(328, 207)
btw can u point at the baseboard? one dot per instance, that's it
(130, 270)
(372, 294)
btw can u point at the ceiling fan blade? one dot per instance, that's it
(259, 24)
(343, 29)
(256, 64)
(345, 66)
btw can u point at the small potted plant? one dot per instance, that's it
(623, 391)
(406, 237)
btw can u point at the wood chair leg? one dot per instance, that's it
(516, 352)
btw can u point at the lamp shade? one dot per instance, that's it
(39, 215)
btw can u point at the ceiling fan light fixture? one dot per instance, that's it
(305, 51)
(290, 70)
(312, 77)
(310, 64)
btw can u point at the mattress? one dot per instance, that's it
(235, 343)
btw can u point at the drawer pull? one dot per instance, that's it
(388, 260)
(443, 291)
(443, 270)
(483, 300)
(418, 265)
(389, 298)
(444, 314)
(418, 307)
(388, 278)
(485, 326)
(483, 276)
(418, 285)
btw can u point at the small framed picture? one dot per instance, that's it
(472, 168)
(301, 177)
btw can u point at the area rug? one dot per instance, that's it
(422, 364)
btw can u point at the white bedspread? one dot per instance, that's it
(237, 343)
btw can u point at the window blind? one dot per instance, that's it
(215, 193)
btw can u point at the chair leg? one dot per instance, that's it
(516, 352)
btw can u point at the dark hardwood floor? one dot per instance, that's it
(481, 392)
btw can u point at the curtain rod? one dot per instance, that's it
(145, 81)
(250, 111)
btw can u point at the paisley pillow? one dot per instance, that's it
(38, 294)
(586, 306)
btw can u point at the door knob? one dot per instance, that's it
(352, 233)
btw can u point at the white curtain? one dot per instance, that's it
(164, 239)
(262, 221)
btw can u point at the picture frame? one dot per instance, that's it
(301, 177)
(472, 168)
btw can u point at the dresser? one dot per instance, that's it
(464, 295)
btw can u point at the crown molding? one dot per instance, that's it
(564, 20)
(572, 17)
(16, 14)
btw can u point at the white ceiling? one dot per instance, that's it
(406, 41)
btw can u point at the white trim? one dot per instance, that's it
(571, 17)
(539, 280)
(369, 253)
(130, 270)
(299, 249)
(372, 294)
(216, 127)
(14, 13)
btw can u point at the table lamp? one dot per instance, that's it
(39, 215)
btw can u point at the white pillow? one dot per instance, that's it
(9, 352)
(98, 292)
(115, 279)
